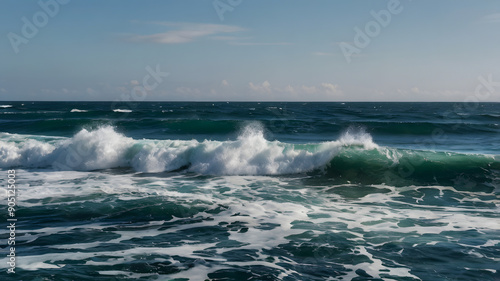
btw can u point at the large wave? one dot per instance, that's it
(249, 154)
(353, 157)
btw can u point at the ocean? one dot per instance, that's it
(250, 191)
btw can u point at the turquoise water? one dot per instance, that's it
(253, 191)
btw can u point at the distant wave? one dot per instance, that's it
(5, 106)
(122, 110)
(493, 116)
(354, 156)
(78, 110)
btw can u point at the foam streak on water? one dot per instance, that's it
(239, 223)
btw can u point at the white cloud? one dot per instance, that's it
(187, 90)
(242, 41)
(418, 94)
(265, 87)
(185, 32)
(322, 54)
(309, 89)
(323, 91)
(260, 43)
(122, 89)
(451, 93)
(289, 89)
(49, 91)
(492, 18)
(224, 83)
(91, 91)
(229, 38)
(331, 89)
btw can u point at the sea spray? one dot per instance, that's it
(354, 157)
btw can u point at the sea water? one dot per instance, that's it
(252, 191)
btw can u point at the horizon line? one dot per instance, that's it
(218, 101)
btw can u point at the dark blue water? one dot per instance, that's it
(253, 191)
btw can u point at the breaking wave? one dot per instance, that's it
(353, 157)
(78, 110)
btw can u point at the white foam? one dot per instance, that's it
(36, 262)
(198, 272)
(5, 106)
(122, 110)
(252, 154)
(357, 137)
(163, 155)
(36, 265)
(27, 153)
(249, 154)
(129, 274)
(91, 150)
(78, 110)
(248, 202)
(376, 267)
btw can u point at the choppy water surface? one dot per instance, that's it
(253, 191)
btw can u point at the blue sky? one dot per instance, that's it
(249, 50)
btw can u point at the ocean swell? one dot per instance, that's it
(103, 148)
(353, 157)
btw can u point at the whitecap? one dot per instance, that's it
(78, 110)
(250, 154)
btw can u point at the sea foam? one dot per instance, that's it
(249, 154)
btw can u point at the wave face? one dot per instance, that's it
(104, 148)
(354, 157)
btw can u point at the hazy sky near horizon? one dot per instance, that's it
(249, 50)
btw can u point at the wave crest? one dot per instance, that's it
(249, 154)
(353, 157)
(78, 110)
